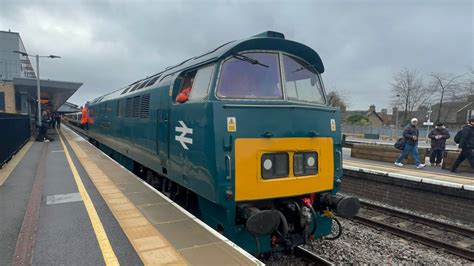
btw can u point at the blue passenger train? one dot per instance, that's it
(242, 136)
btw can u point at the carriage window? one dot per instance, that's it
(251, 76)
(201, 83)
(302, 81)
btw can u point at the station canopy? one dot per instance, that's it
(54, 93)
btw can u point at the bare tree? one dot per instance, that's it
(408, 91)
(337, 100)
(443, 83)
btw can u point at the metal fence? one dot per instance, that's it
(389, 132)
(14, 132)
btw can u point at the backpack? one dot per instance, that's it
(458, 136)
(400, 144)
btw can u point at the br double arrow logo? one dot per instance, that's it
(182, 139)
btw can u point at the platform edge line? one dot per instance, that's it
(102, 239)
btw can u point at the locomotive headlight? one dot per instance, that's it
(305, 163)
(274, 165)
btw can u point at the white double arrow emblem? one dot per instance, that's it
(182, 138)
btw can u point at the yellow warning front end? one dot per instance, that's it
(281, 167)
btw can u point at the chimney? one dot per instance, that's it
(372, 108)
(384, 111)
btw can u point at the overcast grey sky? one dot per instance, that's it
(108, 44)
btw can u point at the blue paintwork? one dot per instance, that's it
(202, 169)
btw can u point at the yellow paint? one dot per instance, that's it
(150, 245)
(101, 235)
(249, 185)
(11, 165)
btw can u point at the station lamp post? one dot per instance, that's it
(38, 89)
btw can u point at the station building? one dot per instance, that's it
(18, 81)
(18, 95)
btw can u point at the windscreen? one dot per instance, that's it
(251, 76)
(302, 81)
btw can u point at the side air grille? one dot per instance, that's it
(145, 106)
(128, 107)
(136, 106)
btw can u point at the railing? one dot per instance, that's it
(389, 132)
(14, 132)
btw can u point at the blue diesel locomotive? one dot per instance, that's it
(242, 136)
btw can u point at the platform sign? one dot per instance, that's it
(429, 123)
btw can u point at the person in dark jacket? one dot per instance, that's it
(58, 121)
(438, 137)
(44, 126)
(466, 143)
(410, 136)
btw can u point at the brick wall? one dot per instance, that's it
(429, 198)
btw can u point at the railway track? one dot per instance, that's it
(310, 257)
(453, 239)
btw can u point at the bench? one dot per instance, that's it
(448, 160)
(383, 153)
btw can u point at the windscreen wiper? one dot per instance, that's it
(305, 67)
(248, 59)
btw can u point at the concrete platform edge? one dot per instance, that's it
(410, 178)
(188, 214)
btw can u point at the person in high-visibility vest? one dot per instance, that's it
(84, 118)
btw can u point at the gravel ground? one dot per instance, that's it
(362, 244)
(440, 218)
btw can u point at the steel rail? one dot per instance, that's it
(419, 219)
(423, 239)
(310, 256)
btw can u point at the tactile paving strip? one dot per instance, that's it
(151, 246)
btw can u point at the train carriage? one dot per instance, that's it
(242, 136)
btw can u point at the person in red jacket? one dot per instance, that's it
(183, 95)
(85, 118)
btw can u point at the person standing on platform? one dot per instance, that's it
(438, 137)
(84, 118)
(53, 120)
(44, 127)
(58, 121)
(410, 136)
(466, 143)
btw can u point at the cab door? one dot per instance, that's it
(163, 143)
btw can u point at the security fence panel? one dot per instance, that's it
(14, 132)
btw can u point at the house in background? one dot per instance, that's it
(454, 113)
(371, 117)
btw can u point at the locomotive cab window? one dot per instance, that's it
(302, 81)
(195, 85)
(251, 76)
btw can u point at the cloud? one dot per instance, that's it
(109, 44)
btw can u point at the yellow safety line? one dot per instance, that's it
(104, 244)
(150, 245)
(11, 165)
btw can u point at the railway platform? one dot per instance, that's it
(429, 190)
(65, 202)
(428, 174)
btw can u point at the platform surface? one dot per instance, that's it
(428, 172)
(93, 211)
